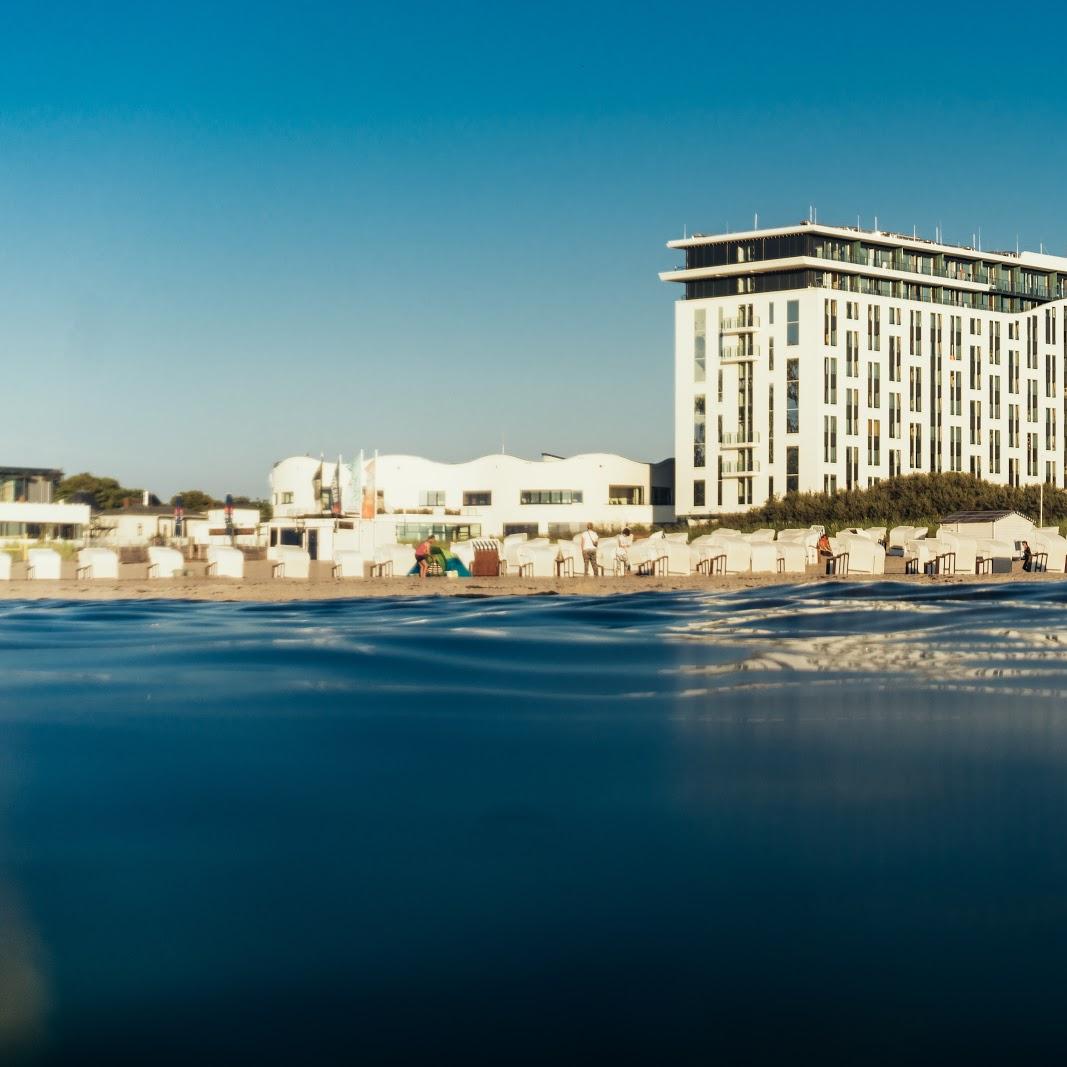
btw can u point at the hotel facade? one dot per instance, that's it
(818, 358)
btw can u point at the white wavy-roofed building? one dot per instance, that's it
(497, 493)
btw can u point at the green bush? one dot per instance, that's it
(909, 500)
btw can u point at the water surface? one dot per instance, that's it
(808, 822)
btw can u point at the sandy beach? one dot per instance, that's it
(259, 586)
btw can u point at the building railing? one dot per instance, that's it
(738, 323)
(751, 467)
(736, 352)
(739, 439)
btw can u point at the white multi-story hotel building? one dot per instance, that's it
(816, 358)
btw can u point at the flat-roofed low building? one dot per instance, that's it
(29, 511)
(491, 496)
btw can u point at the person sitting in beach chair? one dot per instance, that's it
(422, 555)
(826, 552)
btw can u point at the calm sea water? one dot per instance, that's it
(778, 826)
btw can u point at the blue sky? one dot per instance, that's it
(233, 233)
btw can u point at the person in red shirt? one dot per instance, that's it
(422, 555)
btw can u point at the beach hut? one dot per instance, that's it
(989, 525)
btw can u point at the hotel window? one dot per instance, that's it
(894, 316)
(792, 322)
(994, 451)
(976, 367)
(852, 354)
(1031, 455)
(1013, 426)
(994, 343)
(894, 415)
(698, 493)
(287, 498)
(956, 448)
(829, 322)
(829, 484)
(1050, 472)
(792, 396)
(792, 469)
(852, 466)
(955, 393)
(626, 494)
(829, 438)
(700, 344)
(699, 431)
(770, 353)
(852, 310)
(915, 445)
(1013, 471)
(550, 496)
(894, 462)
(480, 498)
(1013, 371)
(432, 498)
(915, 389)
(894, 359)
(976, 466)
(955, 337)
(852, 412)
(976, 422)
(874, 385)
(744, 490)
(770, 424)
(1031, 402)
(829, 380)
(770, 312)
(1050, 429)
(874, 442)
(994, 396)
(874, 328)
(1050, 376)
(915, 333)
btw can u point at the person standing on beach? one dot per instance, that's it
(626, 540)
(589, 542)
(422, 555)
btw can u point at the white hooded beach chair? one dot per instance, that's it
(348, 563)
(794, 557)
(289, 561)
(5, 566)
(393, 561)
(97, 563)
(865, 555)
(224, 561)
(44, 564)
(965, 549)
(1055, 549)
(164, 562)
(764, 557)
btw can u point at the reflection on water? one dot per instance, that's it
(665, 827)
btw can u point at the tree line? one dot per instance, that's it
(906, 500)
(108, 494)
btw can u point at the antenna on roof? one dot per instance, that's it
(755, 221)
(685, 231)
(858, 227)
(875, 223)
(809, 212)
(979, 238)
(1016, 244)
(816, 212)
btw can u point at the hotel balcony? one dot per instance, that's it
(740, 470)
(743, 439)
(739, 325)
(737, 353)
